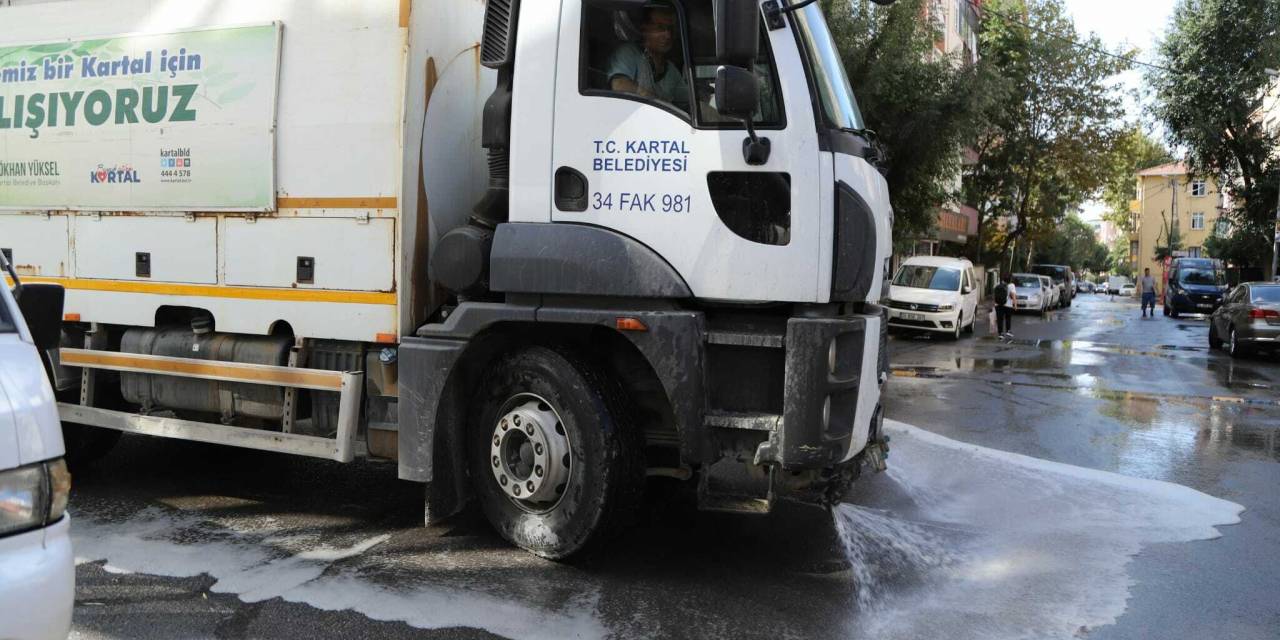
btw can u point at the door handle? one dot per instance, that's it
(570, 190)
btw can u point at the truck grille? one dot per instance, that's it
(913, 306)
(498, 46)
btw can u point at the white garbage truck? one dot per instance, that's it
(535, 251)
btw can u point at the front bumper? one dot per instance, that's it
(37, 583)
(834, 370)
(1195, 302)
(943, 321)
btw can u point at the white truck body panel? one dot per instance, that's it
(355, 80)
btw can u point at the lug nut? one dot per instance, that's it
(495, 461)
(496, 441)
(538, 471)
(528, 429)
(516, 420)
(537, 448)
(503, 481)
(529, 485)
(516, 490)
(504, 424)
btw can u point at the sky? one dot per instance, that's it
(1122, 24)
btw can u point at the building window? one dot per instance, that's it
(1197, 187)
(1193, 252)
(1222, 226)
(1197, 220)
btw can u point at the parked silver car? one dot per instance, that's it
(1248, 319)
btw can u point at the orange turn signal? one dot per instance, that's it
(630, 324)
(385, 338)
(71, 317)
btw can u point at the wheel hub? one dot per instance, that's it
(529, 453)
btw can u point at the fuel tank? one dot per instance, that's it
(228, 399)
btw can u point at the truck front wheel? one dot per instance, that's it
(555, 463)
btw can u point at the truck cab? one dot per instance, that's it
(729, 230)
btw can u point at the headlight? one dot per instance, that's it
(33, 496)
(945, 307)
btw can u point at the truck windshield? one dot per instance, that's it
(834, 93)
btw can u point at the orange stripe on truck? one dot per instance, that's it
(337, 203)
(237, 372)
(216, 291)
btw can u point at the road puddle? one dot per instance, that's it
(960, 541)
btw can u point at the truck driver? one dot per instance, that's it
(647, 71)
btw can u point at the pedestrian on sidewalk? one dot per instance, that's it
(1148, 287)
(1006, 301)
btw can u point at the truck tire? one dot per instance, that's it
(546, 422)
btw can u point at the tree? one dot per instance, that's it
(1073, 243)
(1118, 259)
(924, 108)
(1213, 60)
(1042, 149)
(1168, 240)
(1134, 151)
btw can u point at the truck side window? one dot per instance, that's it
(702, 53)
(636, 54)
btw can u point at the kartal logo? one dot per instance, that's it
(175, 158)
(114, 175)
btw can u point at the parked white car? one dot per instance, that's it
(933, 293)
(1054, 291)
(37, 569)
(1127, 289)
(1033, 294)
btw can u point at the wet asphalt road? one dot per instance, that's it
(1093, 386)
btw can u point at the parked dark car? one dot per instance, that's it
(1249, 319)
(1063, 277)
(1194, 285)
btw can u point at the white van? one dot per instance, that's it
(37, 569)
(934, 293)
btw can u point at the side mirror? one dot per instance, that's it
(41, 306)
(737, 31)
(737, 92)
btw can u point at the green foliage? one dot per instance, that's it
(1240, 249)
(1134, 151)
(1118, 258)
(1043, 148)
(1168, 241)
(1073, 243)
(923, 107)
(1216, 53)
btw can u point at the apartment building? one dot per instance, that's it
(1171, 201)
(955, 27)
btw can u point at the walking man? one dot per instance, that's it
(1006, 301)
(1148, 285)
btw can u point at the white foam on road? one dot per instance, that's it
(1000, 545)
(258, 565)
(958, 541)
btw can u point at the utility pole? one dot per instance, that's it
(1275, 233)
